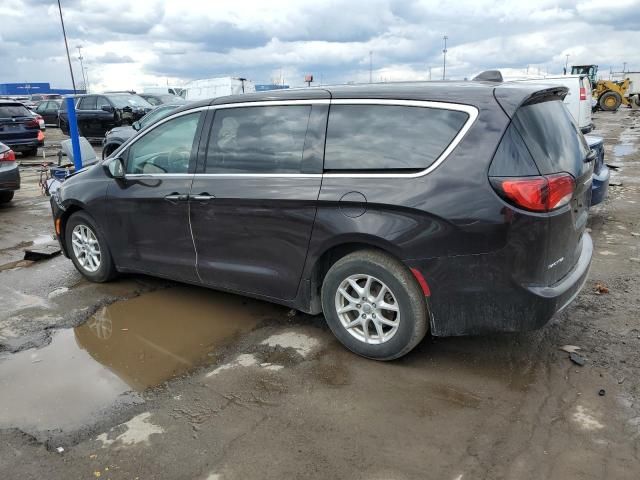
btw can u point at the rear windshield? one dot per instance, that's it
(8, 111)
(552, 137)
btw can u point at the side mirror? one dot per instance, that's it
(136, 126)
(115, 167)
(107, 108)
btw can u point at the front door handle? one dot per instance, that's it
(176, 197)
(203, 197)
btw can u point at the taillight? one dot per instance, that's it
(33, 123)
(8, 156)
(583, 93)
(40, 136)
(537, 194)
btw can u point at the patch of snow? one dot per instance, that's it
(138, 430)
(301, 343)
(57, 292)
(585, 418)
(244, 360)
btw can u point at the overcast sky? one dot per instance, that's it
(138, 43)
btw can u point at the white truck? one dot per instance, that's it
(177, 91)
(578, 100)
(217, 87)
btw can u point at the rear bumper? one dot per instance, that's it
(600, 185)
(476, 294)
(21, 144)
(9, 179)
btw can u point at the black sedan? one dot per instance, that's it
(48, 109)
(9, 174)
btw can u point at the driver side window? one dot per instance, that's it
(165, 149)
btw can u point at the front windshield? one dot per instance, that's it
(121, 101)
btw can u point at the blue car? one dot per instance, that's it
(601, 174)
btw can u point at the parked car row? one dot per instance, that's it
(394, 209)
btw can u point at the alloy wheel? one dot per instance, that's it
(86, 248)
(367, 309)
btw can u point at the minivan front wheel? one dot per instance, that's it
(374, 306)
(88, 249)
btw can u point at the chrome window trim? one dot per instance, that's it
(469, 109)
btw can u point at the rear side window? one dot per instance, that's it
(552, 137)
(258, 139)
(388, 137)
(87, 103)
(512, 159)
(8, 111)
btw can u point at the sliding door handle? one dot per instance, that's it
(203, 197)
(176, 197)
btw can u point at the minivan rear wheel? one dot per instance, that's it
(88, 249)
(374, 306)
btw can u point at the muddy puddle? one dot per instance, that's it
(122, 349)
(623, 149)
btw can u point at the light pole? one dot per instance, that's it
(84, 78)
(66, 46)
(566, 64)
(370, 66)
(429, 73)
(86, 71)
(624, 67)
(444, 58)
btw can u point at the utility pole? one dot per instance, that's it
(370, 66)
(566, 64)
(429, 73)
(66, 46)
(84, 78)
(624, 67)
(444, 58)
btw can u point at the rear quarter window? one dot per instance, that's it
(552, 137)
(388, 137)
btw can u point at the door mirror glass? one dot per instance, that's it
(107, 108)
(115, 166)
(136, 126)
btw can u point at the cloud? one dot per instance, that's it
(151, 42)
(111, 57)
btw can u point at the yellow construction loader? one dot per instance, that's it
(608, 94)
(611, 95)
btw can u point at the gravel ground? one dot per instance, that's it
(145, 378)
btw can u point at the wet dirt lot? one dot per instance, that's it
(145, 378)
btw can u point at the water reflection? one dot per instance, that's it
(129, 345)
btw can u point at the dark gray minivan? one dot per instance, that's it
(394, 209)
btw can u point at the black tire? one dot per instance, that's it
(610, 101)
(6, 197)
(412, 319)
(106, 269)
(637, 100)
(31, 153)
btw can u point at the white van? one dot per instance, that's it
(217, 87)
(164, 91)
(578, 100)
